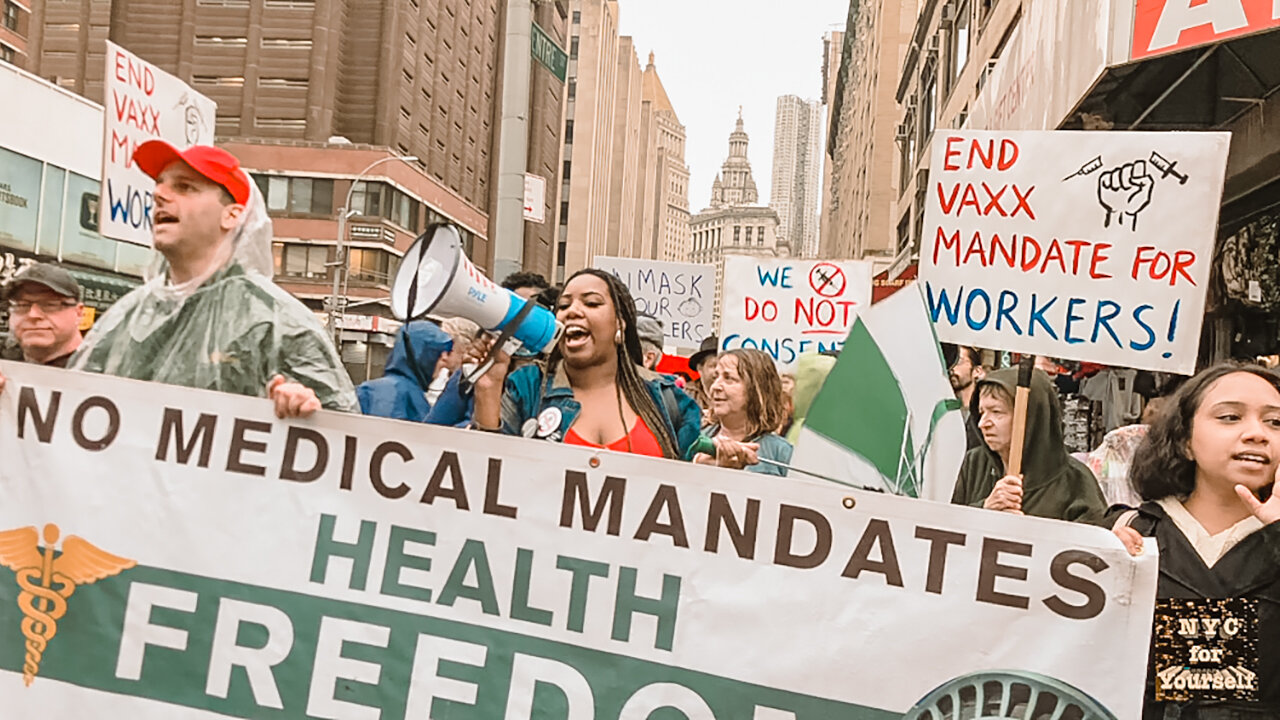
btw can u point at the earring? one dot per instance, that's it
(617, 337)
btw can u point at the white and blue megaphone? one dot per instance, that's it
(436, 278)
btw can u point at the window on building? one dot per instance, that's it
(906, 151)
(11, 11)
(572, 88)
(577, 17)
(959, 43)
(366, 199)
(564, 212)
(296, 196)
(565, 174)
(7, 54)
(219, 41)
(736, 234)
(568, 131)
(304, 261)
(369, 265)
(929, 102)
(748, 234)
(573, 48)
(286, 43)
(760, 230)
(404, 210)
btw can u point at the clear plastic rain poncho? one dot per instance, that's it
(231, 330)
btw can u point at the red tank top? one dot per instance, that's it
(641, 439)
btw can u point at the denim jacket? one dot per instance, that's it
(552, 408)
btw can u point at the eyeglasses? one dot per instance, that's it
(22, 307)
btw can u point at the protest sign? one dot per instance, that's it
(788, 306)
(181, 553)
(143, 103)
(681, 295)
(1079, 245)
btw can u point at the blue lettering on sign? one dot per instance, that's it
(1103, 322)
(1151, 334)
(474, 293)
(131, 207)
(768, 277)
(1074, 320)
(1008, 301)
(1037, 316)
(971, 317)
(785, 350)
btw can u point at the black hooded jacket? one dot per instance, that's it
(1054, 484)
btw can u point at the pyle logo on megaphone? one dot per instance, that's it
(437, 278)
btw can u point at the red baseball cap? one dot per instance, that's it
(216, 164)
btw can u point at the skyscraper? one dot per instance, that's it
(797, 172)
(832, 50)
(864, 133)
(625, 188)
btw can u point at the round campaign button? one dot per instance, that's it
(548, 421)
(529, 428)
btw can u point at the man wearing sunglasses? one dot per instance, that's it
(44, 308)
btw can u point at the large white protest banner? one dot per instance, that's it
(681, 295)
(175, 553)
(143, 103)
(1080, 245)
(788, 306)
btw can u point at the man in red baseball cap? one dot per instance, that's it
(214, 319)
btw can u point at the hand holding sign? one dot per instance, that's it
(1125, 190)
(1006, 495)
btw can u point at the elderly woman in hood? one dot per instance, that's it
(1052, 483)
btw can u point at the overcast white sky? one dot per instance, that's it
(714, 55)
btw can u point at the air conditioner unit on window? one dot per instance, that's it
(948, 15)
(903, 132)
(933, 45)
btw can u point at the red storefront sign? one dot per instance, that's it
(1165, 26)
(882, 286)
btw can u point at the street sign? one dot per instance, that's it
(546, 51)
(535, 198)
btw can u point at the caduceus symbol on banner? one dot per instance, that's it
(47, 579)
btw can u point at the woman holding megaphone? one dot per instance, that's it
(593, 390)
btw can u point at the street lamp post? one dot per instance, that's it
(340, 267)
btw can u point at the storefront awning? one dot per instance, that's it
(101, 291)
(1195, 89)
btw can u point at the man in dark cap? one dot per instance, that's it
(44, 313)
(650, 331)
(703, 362)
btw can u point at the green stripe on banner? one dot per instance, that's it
(88, 651)
(861, 407)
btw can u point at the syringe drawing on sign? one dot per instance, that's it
(1125, 191)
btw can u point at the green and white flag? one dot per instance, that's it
(886, 416)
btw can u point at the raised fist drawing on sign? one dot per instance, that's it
(1125, 191)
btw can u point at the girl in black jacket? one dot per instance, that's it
(1205, 472)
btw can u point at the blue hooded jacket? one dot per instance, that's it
(401, 393)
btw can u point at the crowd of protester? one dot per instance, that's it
(1196, 474)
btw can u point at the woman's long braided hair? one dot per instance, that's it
(630, 386)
